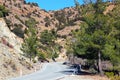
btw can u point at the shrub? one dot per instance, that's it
(31, 22)
(109, 74)
(3, 11)
(112, 76)
(47, 20)
(32, 4)
(115, 78)
(41, 55)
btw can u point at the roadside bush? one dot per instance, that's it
(109, 74)
(115, 78)
(41, 56)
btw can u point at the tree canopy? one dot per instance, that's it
(98, 38)
(48, 38)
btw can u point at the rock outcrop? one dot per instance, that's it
(11, 60)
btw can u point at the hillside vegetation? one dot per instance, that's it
(90, 31)
(98, 39)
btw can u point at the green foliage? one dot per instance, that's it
(55, 55)
(115, 78)
(109, 74)
(98, 35)
(47, 20)
(55, 50)
(31, 22)
(3, 11)
(61, 17)
(47, 37)
(32, 4)
(99, 6)
(30, 45)
(41, 55)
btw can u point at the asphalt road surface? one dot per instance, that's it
(50, 71)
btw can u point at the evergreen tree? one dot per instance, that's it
(48, 38)
(96, 38)
(30, 44)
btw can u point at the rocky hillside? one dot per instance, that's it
(20, 11)
(11, 61)
(63, 21)
(13, 29)
(12, 32)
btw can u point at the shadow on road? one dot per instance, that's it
(73, 70)
(67, 72)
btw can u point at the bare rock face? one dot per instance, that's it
(8, 38)
(11, 62)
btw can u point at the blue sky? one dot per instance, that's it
(54, 4)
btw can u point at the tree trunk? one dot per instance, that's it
(30, 55)
(30, 59)
(99, 64)
(53, 53)
(71, 57)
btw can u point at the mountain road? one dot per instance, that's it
(50, 71)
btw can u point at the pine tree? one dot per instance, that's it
(98, 38)
(48, 38)
(29, 47)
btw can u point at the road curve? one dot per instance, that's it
(50, 71)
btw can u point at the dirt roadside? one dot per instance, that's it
(84, 77)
